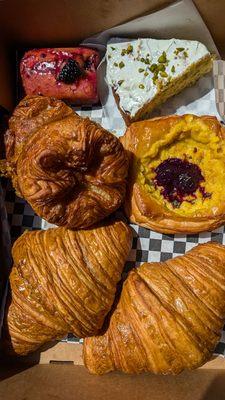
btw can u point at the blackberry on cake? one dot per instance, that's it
(70, 72)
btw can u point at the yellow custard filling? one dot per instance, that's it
(192, 140)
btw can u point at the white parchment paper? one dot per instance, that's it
(180, 20)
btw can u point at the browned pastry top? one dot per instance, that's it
(63, 281)
(71, 170)
(177, 173)
(168, 318)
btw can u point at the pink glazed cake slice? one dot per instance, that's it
(64, 73)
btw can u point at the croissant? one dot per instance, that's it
(177, 173)
(63, 281)
(71, 170)
(168, 317)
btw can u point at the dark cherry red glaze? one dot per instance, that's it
(179, 178)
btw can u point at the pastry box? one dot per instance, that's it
(57, 372)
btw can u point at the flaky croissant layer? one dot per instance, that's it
(63, 281)
(168, 318)
(71, 170)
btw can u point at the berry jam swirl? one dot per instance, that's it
(179, 179)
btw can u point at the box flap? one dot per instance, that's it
(74, 382)
(59, 22)
(25, 21)
(62, 352)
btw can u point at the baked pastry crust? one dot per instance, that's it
(71, 170)
(152, 141)
(63, 281)
(168, 318)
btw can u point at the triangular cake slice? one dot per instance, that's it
(144, 73)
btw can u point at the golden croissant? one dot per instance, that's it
(63, 281)
(168, 318)
(71, 170)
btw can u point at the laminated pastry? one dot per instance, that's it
(169, 316)
(144, 73)
(177, 173)
(64, 73)
(71, 170)
(63, 281)
(4, 117)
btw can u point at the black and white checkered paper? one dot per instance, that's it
(5, 257)
(177, 20)
(147, 244)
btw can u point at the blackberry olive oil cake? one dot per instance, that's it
(64, 73)
(144, 73)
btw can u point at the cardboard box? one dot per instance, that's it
(57, 373)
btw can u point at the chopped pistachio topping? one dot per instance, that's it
(162, 58)
(144, 60)
(113, 48)
(121, 64)
(129, 49)
(179, 50)
(109, 56)
(163, 74)
(154, 79)
(147, 71)
(161, 67)
(153, 67)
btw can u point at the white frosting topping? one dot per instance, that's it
(131, 73)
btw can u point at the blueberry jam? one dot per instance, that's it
(179, 178)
